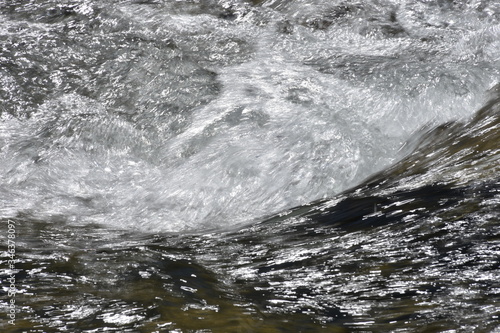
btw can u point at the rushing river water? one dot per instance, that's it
(250, 166)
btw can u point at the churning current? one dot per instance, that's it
(264, 166)
(193, 115)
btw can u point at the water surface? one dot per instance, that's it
(250, 166)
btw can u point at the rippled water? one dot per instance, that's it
(201, 166)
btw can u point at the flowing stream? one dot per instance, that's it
(250, 166)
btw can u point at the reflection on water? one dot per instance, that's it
(407, 250)
(143, 141)
(192, 115)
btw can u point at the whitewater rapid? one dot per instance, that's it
(201, 166)
(164, 116)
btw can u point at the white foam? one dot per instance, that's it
(305, 116)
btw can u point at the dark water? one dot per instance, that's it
(250, 166)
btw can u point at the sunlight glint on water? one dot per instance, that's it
(185, 120)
